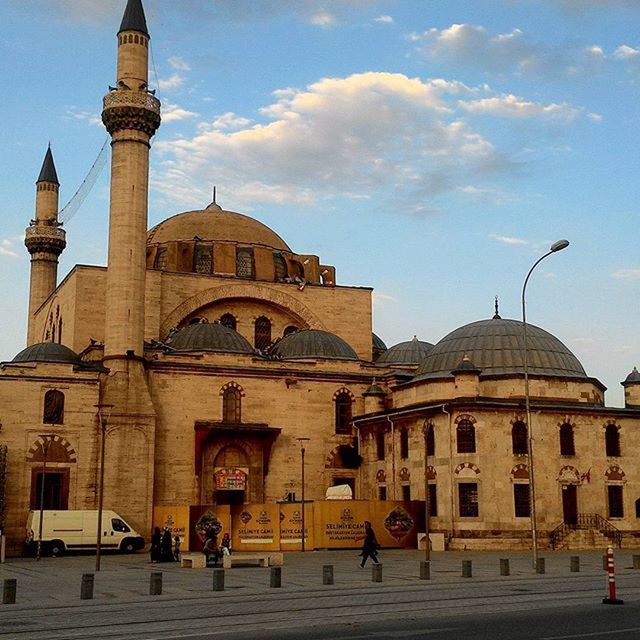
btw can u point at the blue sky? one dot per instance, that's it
(429, 149)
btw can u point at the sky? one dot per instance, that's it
(430, 149)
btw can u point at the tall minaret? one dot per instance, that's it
(45, 241)
(131, 115)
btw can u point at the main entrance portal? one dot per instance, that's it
(570, 504)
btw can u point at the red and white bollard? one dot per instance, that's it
(611, 578)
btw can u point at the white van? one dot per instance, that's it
(68, 530)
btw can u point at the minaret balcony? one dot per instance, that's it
(128, 109)
(45, 238)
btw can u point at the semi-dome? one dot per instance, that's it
(313, 343)
(411, 352)
(205, 336)
(495, 347)
(48, 352)
(378, 346)
(215, 224)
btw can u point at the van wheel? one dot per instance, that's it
(56, 548)
(128, 546)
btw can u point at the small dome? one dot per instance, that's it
(215, 224)
(466, 366)
(633, 377)
(206, 336)
(375, 390)
(313, 343)
(378, 346)
(495, 347)
(48, 352)
(411, 352)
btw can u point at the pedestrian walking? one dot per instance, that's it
(156, 542)
(166, 546)
(370, 545)
(176, 548)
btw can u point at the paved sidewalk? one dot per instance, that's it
(49, 590)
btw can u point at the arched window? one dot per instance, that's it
(519, 438)
(280, 267)
(431, 440)
(612, 440)
(343, 412)
(244, 263)
(404, 443)
(262, 333)
(202, 258)
(380, 445)
(615, 500)
(53, 407)
(231, 405)
(161, 259)
(298, 269)
(229, 320)
(466, 436)
(567, 444)
(290, 329)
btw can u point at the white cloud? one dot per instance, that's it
(323, 19)
(174, 113)
(379, 298)
(384, 19)
(8, 248)
(473, 45)
(86, 116)
(343, 136)
(625, 52)
(179, 64)
(508, 239)
(174, 81)
(627, 274)
(510, 106)
(596, 117)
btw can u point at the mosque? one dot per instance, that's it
(207, 351)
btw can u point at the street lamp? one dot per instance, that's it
(104, 411)
(302, 452)
(47, 439)
(427, 506)
(556, 246)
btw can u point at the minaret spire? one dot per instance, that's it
(48, 171)
(133, 18)
(496, 315)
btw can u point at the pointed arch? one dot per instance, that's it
(59, 450)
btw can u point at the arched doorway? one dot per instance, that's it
(230, 475)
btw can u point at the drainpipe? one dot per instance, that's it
(393, 456)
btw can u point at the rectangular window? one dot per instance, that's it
(433, 501)
(202, 259)
(406, 492)
(521, 500)
(468, 498)
(380, 445)
(616, 507)
(404, 443)
(382, 493)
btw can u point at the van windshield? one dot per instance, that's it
(119, 525)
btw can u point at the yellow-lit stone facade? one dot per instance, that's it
(208, 348)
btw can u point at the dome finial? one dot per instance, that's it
(214, 204)
(496, 315)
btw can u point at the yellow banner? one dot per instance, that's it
(256, 527)
(291, 526)
(207, 519)
(176, 519)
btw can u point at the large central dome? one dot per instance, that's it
(495, 347)
(215, 224)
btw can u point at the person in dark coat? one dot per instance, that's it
(370, 545)
(166, 547)
(156, 541)
(211, 549)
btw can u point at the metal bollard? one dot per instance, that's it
(86, 588)
(425, 570)
(327, 574)
(276, 577)
(218, 579)
(540, 568)
(575, 564)
(466, 569)
(636, 562)
(611, 579)
(504, 567)
(376, 573)
(9, 591)
(155, 584)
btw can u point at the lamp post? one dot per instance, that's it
(302, 452)
(47, 439)
(427, 506)
(556, 246)
(104, 411)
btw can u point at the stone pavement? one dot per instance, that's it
(48, 599)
